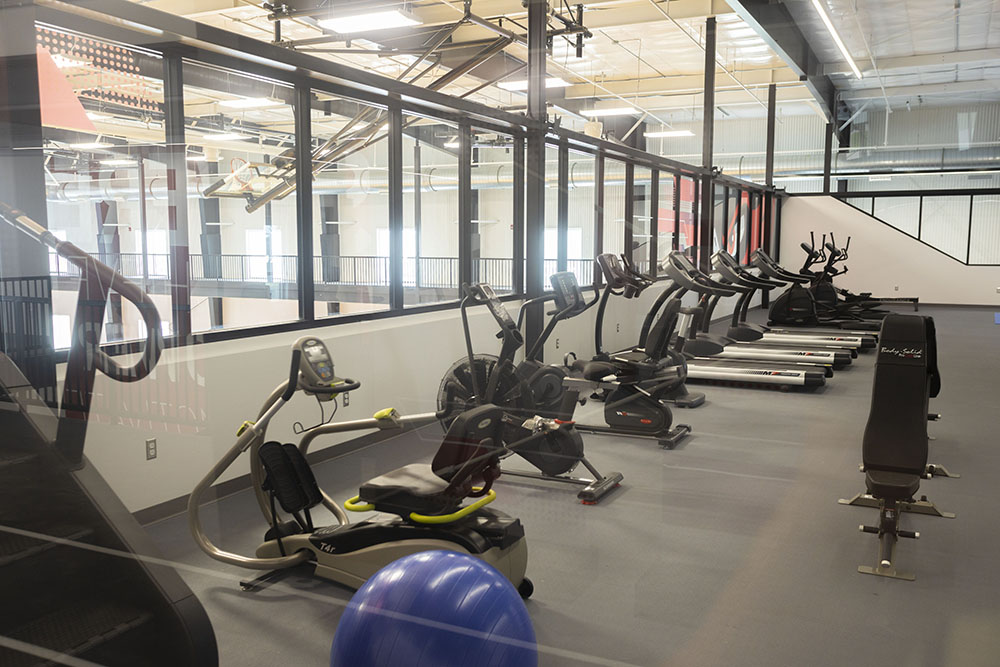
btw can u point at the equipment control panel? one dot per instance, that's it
(568, 295)
(317, 364)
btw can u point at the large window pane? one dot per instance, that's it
(903, 213)
(641, 209)
(666, 216)
(945, 225)
(580, 240)
(722, 227)
(243, 240)
(105, 172)
(985, 244)
(551, 210)
(493, 210)
(350, 206)
(688, 233)
(430, 212)
(614, 206)
(861, 203)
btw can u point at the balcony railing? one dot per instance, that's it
(352, 270)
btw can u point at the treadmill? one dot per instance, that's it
(769, 268)
(704, 365)
(731, 272)
(706, 343)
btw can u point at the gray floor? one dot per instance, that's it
(730, 550)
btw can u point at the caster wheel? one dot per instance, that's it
(525, 588)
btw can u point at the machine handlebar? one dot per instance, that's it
(152, 347)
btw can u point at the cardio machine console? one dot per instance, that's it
(316, 364)
(612, 268)
(484, 292)
(568, 295)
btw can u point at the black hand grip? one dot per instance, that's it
(89, 265)
(293, 376)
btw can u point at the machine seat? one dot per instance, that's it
(468, 458)
(416, 478)
(412, 488)
(891, 485)
(595, 370)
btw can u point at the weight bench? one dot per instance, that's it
(894, 450)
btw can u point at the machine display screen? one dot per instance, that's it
(315, 352)
(495, 306)
(567, 289)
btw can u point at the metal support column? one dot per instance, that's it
(828, 156)
(22, 175)
(304, 201)
(418, 221)
(177, 208)
(464, 205)
(518, 253)
(675, 241)
(396, 207)
(654, 222)
(708, 136)
(562, 220)
(535, 170)
(629, 211)
(598, 213)
(766, 231)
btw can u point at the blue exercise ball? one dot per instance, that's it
(435, 608)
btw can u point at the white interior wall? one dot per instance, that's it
(883, 259)
(198, 395)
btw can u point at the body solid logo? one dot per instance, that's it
(903, 352)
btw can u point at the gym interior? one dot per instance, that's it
(614, 332)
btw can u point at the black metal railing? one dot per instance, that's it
(354, 270)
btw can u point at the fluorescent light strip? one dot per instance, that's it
(90, 145)
(821, 10)
(250, 103)
(669, 133)
(225, 136)
(610, 111)
(522, 85)
(368, 22)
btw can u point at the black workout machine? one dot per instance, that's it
(894, 449)
(531, 393)
(82, 578)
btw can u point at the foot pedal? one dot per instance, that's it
(594, 492)
(675, 435)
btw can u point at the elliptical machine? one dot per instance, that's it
(421, 504)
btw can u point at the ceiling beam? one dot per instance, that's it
(919, 61)
(682, 101)
(961, 87)
(685, 83)
(775, 25)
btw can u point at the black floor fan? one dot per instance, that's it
(80, 577)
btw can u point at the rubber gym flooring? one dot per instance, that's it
(729, 550)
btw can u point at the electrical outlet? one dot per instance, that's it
(150, 449)
(896, 288)
(347, 398)
(618, 327)
(557, 343)
(998, 290)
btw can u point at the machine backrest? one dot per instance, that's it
(471, 447)
(289, 476)
(896, 434)
(660, 334)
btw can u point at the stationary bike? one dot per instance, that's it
(529, 392)
(421, 504)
